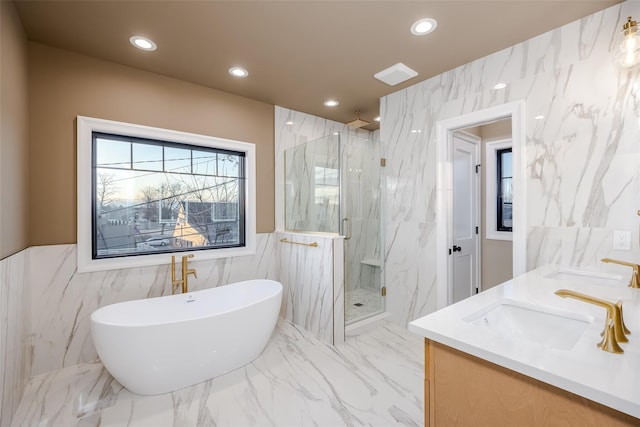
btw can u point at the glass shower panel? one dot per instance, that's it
(312, 179)
(333, 184)
(361, 226)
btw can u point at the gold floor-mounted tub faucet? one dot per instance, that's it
(185, 274)
(635, 277)
(615, 331)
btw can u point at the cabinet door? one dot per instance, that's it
(467, 391)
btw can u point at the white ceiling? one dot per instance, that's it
(298, 53)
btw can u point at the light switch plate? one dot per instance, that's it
(622, 240)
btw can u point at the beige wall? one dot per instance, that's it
(14, 178)
(497, 255)
(63, 85)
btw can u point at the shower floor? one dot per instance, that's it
(361, 303)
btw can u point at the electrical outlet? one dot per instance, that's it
(622, 240)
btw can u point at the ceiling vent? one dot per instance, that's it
(396, 74)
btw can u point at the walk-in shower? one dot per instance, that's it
(333, 185)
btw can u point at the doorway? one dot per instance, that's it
(445, 192)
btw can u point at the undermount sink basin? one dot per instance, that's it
(585, 276)
(527, 322)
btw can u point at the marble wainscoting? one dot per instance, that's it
(581, 153)
(62, 299)
(374, 379)
(15, 354)
(313, 282)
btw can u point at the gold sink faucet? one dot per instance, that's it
(635, 277)
(614, 328)
(184, 282)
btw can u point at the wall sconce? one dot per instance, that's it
(627, 55)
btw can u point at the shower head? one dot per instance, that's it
(358, 123)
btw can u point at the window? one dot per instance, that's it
(145, 193)
(504, 194)
(498, 190)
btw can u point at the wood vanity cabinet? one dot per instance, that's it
(463, 390)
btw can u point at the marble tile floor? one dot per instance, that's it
(370, 300)
(373, 379)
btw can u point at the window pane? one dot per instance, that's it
(113, 154)
(504, 190)
(147, 157)
(505, 163)
(228, 165)
(158, 204)
(204, 163)
(177, 160)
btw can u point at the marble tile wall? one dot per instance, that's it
(63, 300)
(313, 283)
(582, 158)
(15, 354)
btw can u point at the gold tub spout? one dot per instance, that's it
(183, 282)
(614, 329)
(635, 277)
(186, 272)
(174, 282)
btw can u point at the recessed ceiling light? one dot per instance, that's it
(143, 43)
(331, 103)
(416, 130)
(238, 72)
(500, 86)
(289, 122)
(376, 119)
(539, 117)
(423, 26)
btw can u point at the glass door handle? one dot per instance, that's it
(345, 221)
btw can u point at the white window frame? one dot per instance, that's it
(491, 171)
(85, 128)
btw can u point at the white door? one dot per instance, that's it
(465, 249)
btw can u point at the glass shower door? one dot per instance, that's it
(360, 209)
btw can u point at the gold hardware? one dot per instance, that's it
(183, 282)
(638, 212)
(312, 244)
(384, 291)
(609, 342)
(614, 331)
(174, 282)
(635, 277)
(383, 163)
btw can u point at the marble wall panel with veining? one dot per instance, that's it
(582, 157)
(15, 352)
(311, 297)
(63, 299)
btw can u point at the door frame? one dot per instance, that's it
(477, 142)
(444, 189)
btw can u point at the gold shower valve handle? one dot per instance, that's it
(635, 277)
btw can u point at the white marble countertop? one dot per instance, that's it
(610, 379)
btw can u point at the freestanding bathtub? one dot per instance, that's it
(157, 345)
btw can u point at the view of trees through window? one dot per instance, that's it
(153, 196)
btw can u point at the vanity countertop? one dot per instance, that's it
(610, 379)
